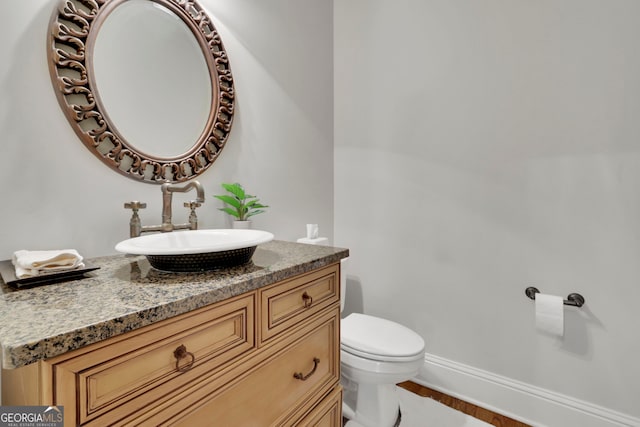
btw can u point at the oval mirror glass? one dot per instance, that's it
(156, 91)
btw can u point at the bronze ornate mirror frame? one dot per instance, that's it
(74, 25)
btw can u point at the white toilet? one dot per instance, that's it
(376, 354)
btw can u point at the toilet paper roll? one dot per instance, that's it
(550, 314)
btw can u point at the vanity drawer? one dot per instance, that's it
(268, 393)
(136, 368)
(293, 301)
(327, 414)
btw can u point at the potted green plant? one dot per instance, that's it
(240, 205)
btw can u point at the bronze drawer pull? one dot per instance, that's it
(308, 300)
(180, 353)
(302, 377)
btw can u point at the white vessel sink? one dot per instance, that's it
(196, 250)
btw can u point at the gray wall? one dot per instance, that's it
(485, 146)
(56, 194)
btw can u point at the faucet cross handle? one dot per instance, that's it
(192, 204)
(135, 205)
(193, 218)
(135, 226)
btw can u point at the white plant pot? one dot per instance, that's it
(243, 225)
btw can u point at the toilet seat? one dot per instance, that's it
(379, 339)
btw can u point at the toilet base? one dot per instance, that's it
(371, 405)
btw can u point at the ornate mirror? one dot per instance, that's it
(145, 84)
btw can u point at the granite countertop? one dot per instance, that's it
(126, 293)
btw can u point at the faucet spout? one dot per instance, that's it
(167, 194)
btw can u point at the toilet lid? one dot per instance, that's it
(379, 338)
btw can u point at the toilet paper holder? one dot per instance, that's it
(574, 299)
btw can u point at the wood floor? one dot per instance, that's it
(460, 405)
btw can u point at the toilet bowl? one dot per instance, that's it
(375, 355)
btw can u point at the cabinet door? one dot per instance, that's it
(293, 378)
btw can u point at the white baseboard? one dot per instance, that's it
(523, 402)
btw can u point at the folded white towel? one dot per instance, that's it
(36, 263)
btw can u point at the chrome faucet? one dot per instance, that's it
(135, 226)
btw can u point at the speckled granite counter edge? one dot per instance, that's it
(49, 347)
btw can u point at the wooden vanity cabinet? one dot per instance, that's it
(269, 357)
